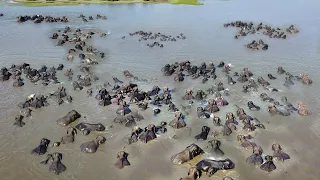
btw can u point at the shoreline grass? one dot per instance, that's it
(39, 3)
(186, 2)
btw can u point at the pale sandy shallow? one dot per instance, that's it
(207, 40)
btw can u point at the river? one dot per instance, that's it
(207, 41)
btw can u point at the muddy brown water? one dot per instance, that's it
(207, 41)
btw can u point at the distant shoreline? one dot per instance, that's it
(11, 2)
(79, 2)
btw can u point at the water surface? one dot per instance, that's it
(207, 40)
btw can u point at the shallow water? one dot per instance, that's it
(207, 40)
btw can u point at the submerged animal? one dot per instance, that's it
(212, 166)
(69, 118)
(278, 153)
(187, 154)
(268, 165)
(214, 148)
(56, 166)
(18, 121)
(42, 148)
(122, 160)
(86, 128)
(69, 138)
(178, 121)
(193, 174)
(92, 146)
(204, 133)
(256, 157)
(148, 134)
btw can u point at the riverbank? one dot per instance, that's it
(78, 2)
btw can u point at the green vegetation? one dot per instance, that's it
(78, 2)
(190, 2)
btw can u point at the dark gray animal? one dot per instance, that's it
(204, 133)
(56, 167)
(256, 158)
(187, 154)
(69, 118)
(92, 146)
(86, 128)
(42, 148)
(212, 166)
(18, 121)
(68, 138)
(268, 165)
(122, 160)
(214, 148)
(278, 153)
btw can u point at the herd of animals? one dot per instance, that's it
(145, 36)
(127, 95)
(245, 28)
(49, 19)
